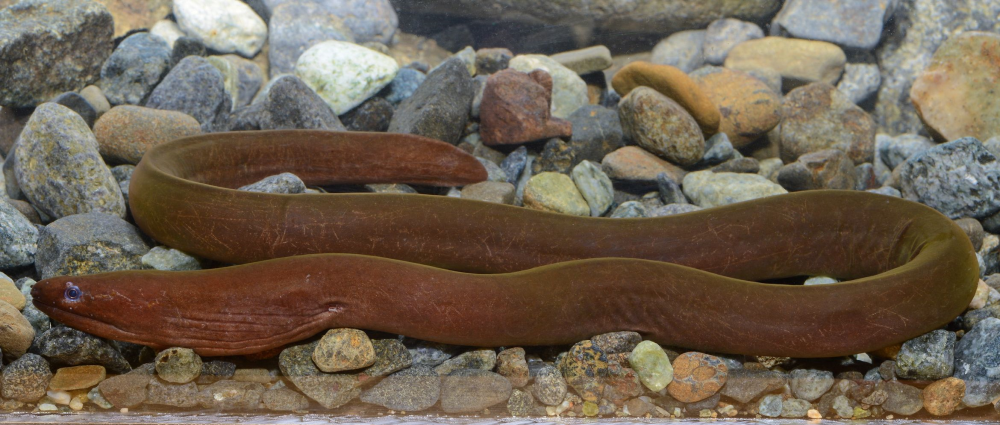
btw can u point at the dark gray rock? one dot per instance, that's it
(18, 237)
(231, 395)
(557, 156)
(959, 179)
(403, 86)
(483, 359)
(629, 209)
(901, 398)
(215, 370)
(825, 169)
(617, 342)
(39, 321)
(744, 385)
(895, 150)
(69, 347)
(78, 104)
(930, 356)
(670, 191)
(26, 378)
(521, 403)
(294, 27)
(513, 165)
(977, 358)
(374, 114)
(134, 68)
(549, 387)
(856, 24)
(281, 183)
(287, 103)
(412, 390)
(196, 88)
(184, 47)
(331, 390)
(243, 78)
(390, 356)
(426, 353)
(88, 243)
(440, 107)
(471, 390)
(718, 149)
(597, 131)
(49, 47)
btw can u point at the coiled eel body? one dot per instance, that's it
(474, 273)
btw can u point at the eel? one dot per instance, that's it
(473, 273)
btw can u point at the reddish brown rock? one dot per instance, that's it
(633, 164)
(817, 116)
(697, 376)
(622, 384)
(516, 109)
(125, 132)
(512, 365)
(825, 169)
(954, 96)
(748, 107)
(942, 398)
(673, 83)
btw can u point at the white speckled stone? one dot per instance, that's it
(345, 74)
(709, 189)
(226, 26)
(569, 92)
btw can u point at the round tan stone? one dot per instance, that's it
(662, 126)
(16, 333)
(747, 106)
(10, 293)
(697, 376)
(942, 398)
(954, 96)
(633, 164)
(126, 132)
(77, 377)
(798, 61)
(344, 349)
(555, 192)
(673, 83)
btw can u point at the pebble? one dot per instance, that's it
(586, 60)
(860, 82)
(902, 399)
(817, 116)
(62, 345)
(20, 237)
(708, 189)
(134, 68)
(634, 165)
(748, 107)
(597, 131)
(126, 132)
(943, 397)
(231, 395)
(241, 78)
(412, 389)
(824, 169)
(390, 356)
(404, 85)
(10, 294)
(556, 156)
(521, 403)
(673, 83)
(697, 376)
(375, 114)
(798, 61)
(977, 357)
(855, 24)
(511, 364)
(555, 192)
(178, 365)
(746, 384)
(331, 390)
(584, 368)
(810, 384)
(471, 390)
(163, 258)
(549, 387)
(895, 150)
(927, 357)
(43, 49)
(662, 126)
(770, 405)
(622, 383)
(286, 103)
(16, 333)
(683, 49)
(26, 378)
(484, 359)
(426, 353)
(39, 321)
(78, 104)
(167, 30)
(974, 230)
(184, 47)
(489, 191)
(515, 109)
(95, 97)
(294, 27)
(569, 91)
(88, 243)
(343, 349)
(724, 34)
(369, 20)
(226, 26)
(282, 399)
(345, 74)
(672, 209)
(433, 111)
(951, 96)
(595, 186)
(195, 87)
(282, 183)
(617, 342)
(652, 365)
(58, 166)
(77, 377)
(215, 370)
(959, 178)
(167, 394)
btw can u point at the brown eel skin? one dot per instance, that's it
(473, 273)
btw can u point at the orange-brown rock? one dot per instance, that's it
(747, 106)
(942, 398)
(662, 126)
(125, 132)
(697, 376)
(955, 96)
(516, 109)
(633, 164)
(77, 377)
(673, 83)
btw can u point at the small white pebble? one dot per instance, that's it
(76, 404)
(124, 410)
(863, 357)
(982, 294)
(814, 414)
(59, 397)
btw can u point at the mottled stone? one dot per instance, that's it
(622, 383)
(682, 49)
(855, 24)
(709, 189)
(569, 92)
(16, 333)
(817, 116)
(902, 399)
(328, 389)
(927, 357)
(860, 81)
(597, 131)
(471, 390)
(724, 34)
(770, 406)
(296, 26)
(344, 74)
(746, 384)
(193, 87)
(549, 387)
(283, 399)
(225, 26)
(895, 150)
(369, 20)
(521, 403)
(343, 349)
(959, 178)
(673, 83)
(697, 376)
(18, 237)
(798, 61)
(584, 367)
(50, 47)
(512, 365)
(748, 107)
(67, 346)
(652, 365)
(168, 394)
(134, 68)
(126, 132)
(178, 365)
(484, 359)
(555, 192)
(595, 186)
(515, 109)
(413, 389)
(942, 398)
(88, 243)
(390, 356)
(662, 126)
(977, 357)
(825, 169)
(810, 384)
(26, 378)
(440, 107)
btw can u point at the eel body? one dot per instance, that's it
(473, 273)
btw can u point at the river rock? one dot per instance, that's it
(855, 24)
(977, 357)
(748, 107)
(18, 237)
(167, 394)
(549, 387)
(226, 26)
(652, 365)
(810, 384)
(50, 47)
(196, 88)
(682, 49)
(959, 178)
(287, 103)
(512, 365)
(952, 96)
(595, 186)
(634, 165)
(369, 20)
(343, 349)
(126, 132)
(661, 125)
(412, 390)
(440, 107)
(26, 378)
(77, 377)
(231, 395)
(724, 34)
(516, 109)
(16, 333)
(586, 60)
(10, 294)
(584, 368)
(860, 81)
(902, 399)
(597, 131)
(297, 26)
(59, 169)
(241, 78)
(88, 243)
(555, 192)
(167, 30)
(697, 376)
(484, 359)
(67, 346)
(817, 116)
(404, 85)
(134, 68)
(746, 384)
(798, 61)
(471, 390)
(942, 398)
(496, 192)
(895, 150)
(569, 91)
(77, 103)
(331, 390)
(825, 169)
(283, 399)
(178, 365)
(709, 189)
(927, 357)
(673, 83)
(344, 74)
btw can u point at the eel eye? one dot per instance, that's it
(73, 292)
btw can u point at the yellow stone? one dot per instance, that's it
(77, 377)
(10, 293)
